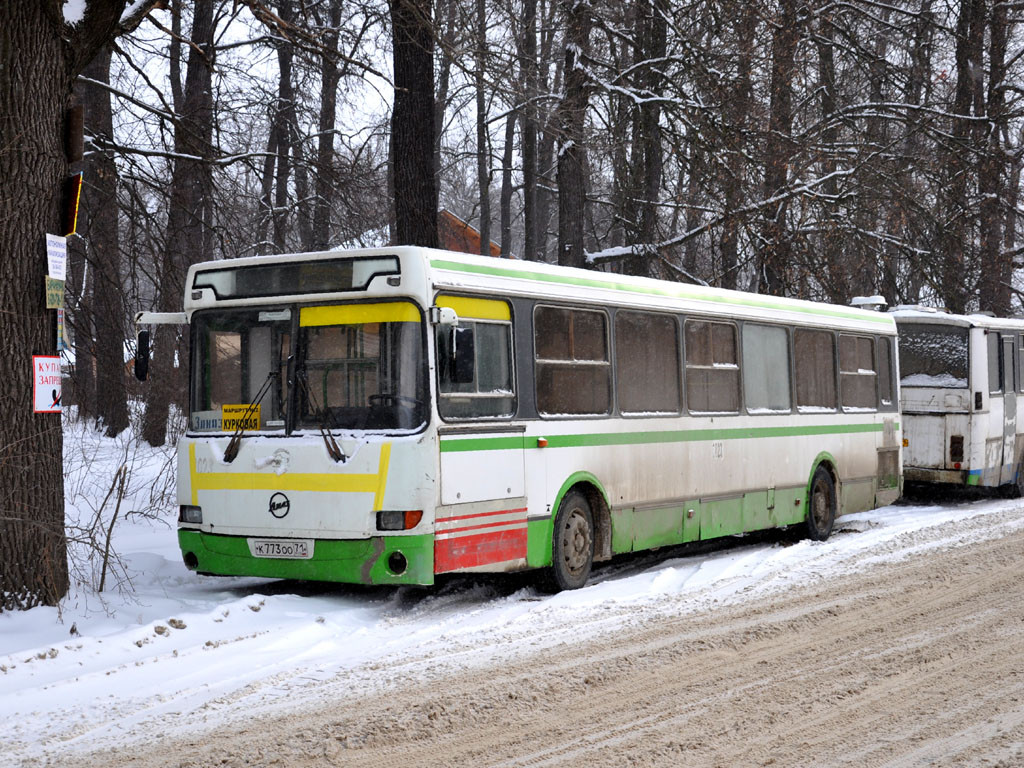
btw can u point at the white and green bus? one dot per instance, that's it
(385, 416)
(961, 398)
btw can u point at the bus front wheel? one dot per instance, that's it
(821, 514)
(572, 543)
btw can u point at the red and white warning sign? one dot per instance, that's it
(46, 386)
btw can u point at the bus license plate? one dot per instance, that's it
(287, 549)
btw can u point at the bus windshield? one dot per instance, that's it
(355, 369)
(933, 355)
(239, 357)
(362, 367)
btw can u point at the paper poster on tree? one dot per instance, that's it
(46, 384)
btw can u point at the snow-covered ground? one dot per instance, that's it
(162, 650)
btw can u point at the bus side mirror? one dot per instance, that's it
(443, 316)
(142, 355)
(463, 349)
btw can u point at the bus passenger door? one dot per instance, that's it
(1008, 472)
(480, 522)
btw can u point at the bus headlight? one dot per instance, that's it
(398, 521)
(190, 514)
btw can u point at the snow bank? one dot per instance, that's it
(164, 643)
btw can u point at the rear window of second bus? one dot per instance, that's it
(933, 355)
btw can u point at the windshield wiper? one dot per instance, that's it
(322, 415)
(231, 452)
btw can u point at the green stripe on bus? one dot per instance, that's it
(678, 293)
(647, 438)
(483, 444)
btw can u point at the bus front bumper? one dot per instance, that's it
(376, 560)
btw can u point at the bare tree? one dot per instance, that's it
(188, 238)
(41, 53)
(572, 181)
(325, 179)
(412, 125)
(100, 322)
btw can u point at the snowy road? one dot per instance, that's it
(190, 655)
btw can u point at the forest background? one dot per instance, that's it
(816, 149)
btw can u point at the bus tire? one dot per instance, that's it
(821, 505)
(572, 542)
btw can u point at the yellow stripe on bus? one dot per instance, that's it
(354, 314)
(382, 475)
(292, 481)
(476, 309)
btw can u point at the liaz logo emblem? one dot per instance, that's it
(279, 505)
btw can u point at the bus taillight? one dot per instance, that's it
(399, 521)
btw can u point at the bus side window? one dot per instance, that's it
(573, 369)
(1008, 366)
(646, 363)
(712, 367)
(995, 371)
(475, 370)
(885, 372)
(814, 353)
(1020, 363)
(766, 386)
(857, 375)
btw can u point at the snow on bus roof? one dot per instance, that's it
(539, 273)
(921, 314)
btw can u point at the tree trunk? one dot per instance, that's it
(859, 265)
(546, 170)
(956, 266)
(99, 227)
(483, 153)
(572, 113)
(265, 210)
(412, 124)
(78, 294)
(657, 42)
(902, 213)
(737, 112)
(647, 158)
(620, 107)
(832, 240)
(775, 248)
(506, 184)
(697, 167)
(324, 184)
(446, 9)
(996, 270)
(185, 241)
(303, 204)
(529, 123)
(39, 58)
(283, 121)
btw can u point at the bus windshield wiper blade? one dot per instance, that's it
(231, 452)
(323, 415)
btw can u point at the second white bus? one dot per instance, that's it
(963, 411)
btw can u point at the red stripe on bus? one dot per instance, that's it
(499, 524)
(480, 514)
(479, 549)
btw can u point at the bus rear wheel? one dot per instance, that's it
(821, 512)
(572, 543)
